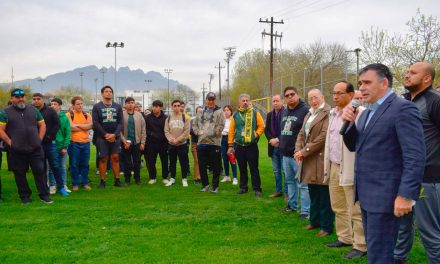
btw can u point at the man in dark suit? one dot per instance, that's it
(390, 158)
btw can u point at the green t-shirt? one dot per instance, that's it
(4, 116)
(130, 129)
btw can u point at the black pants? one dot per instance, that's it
(321, 214)
(19, 163)
(209, 155)
(182, 153)
(131, 158)
(151, 151)
(248, 155)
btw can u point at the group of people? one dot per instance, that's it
(367, 167)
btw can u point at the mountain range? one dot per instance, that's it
(127, 79)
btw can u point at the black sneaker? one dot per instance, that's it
(46, 200)
(287, 209)
(25, 200)
(214, 190)
(304, 216)
(354, 254)
(119, 184)
(196, 182)
(102, 184)
(242, 191)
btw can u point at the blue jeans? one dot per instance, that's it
(290, 169)
(277, 164)
(61, 161)
(225, 158)
(79, 167)
(51, 153)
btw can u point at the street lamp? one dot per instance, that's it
(81, 74)
(103, 71)
(356, 51)
(115, 45)
(168, 71)
(41, 80)
(96, 90)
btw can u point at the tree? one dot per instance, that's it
(420, 43)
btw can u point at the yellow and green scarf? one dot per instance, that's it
(248, 116)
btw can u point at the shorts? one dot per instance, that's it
(106, 148)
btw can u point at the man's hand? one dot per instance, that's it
(402, 206)
(127, 145)
(230, 150)
(274, 142)
(110, 137)
(63, 151)
(142, 147)
(349, 114)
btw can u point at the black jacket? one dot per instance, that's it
(155, 129)
(428, 103)
(268, 131)
(291, 123)
(52, 123)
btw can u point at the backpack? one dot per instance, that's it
(183, 118)
(72, 114)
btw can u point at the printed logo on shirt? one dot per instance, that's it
(288, 123)
(175, 124)
(109, 115)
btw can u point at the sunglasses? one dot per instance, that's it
(290, 95)
(18, 92)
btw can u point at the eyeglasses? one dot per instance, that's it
(176, 105)
(18, 92)
(338, 94)
(289, 95)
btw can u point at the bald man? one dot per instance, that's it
(418, 81)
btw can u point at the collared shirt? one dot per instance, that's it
(335, 137)
(313, 114)
(374, 106)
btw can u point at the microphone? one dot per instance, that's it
(355, 103)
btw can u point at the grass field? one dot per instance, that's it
(157, 224)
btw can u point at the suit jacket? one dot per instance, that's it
(312, 148)
(390, 155)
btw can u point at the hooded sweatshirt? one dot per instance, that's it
(291, 123)
(154, 126)
(177, 127)
(64, 133)
(208, 126)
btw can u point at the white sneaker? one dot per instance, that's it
(184, 183)
(235, 181)
(226, 179)
(97, 172)
(152, 181)
(132, 172)
(67, 189)
(121, 173)
(52, 189)
(170, 182)
(165, 181)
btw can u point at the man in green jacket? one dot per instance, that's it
(62, 141)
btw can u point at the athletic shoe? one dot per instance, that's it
(226, 179)
(235, 181)
(214, 190)
(87, 187)
(97, 172)
(67, 189)
(165, 181)
(287, 209)
(205, 189)
(52, 189)
(75, 188)
(196, 182)
(119, 184)
(170, 182)
(184, 183)
(63, 192)
(152, 181)
(258, 194)
(102, 184)
(46, 200)
(276, 194)
(25, 200)
(242, 191)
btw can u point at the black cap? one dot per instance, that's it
(57, 100)
(17, 91)
(210, 95)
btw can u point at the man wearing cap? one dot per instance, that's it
(133, 141)
(107, 124)
(208, 126)
(247, 126)
(156, 142)
(52, 122)
(22, 128)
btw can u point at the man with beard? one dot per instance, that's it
(22, 128)
(418, 81)
(107, 124)
(246, 127)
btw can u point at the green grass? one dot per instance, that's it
(156, 224)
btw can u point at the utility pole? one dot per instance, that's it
(230, 52)
(203, 94)
(219, 81)
(41, 80)
(96, 90)
(12, 77)
(81, 74)
(103, 71)
(115, 45)
(211, 77)
(272, 35)
(356, 51)
(168, 71)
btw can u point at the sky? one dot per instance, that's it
(43, 37)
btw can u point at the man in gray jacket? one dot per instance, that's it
(208, 126)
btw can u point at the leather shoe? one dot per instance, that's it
(338, 244)
(354, 254)
(322, 233)
(310, 227)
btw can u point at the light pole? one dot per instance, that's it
(356, 51)
(168, 71)
(230, 52)
(115, 45)
(148, 98)
(96, 90)
(304, 84)
(41, 80)
(81, 74)
(103, 71)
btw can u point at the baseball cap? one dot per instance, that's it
(17, 92)
(210, 95)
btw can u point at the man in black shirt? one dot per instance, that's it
(418, 81)
(107, 125)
